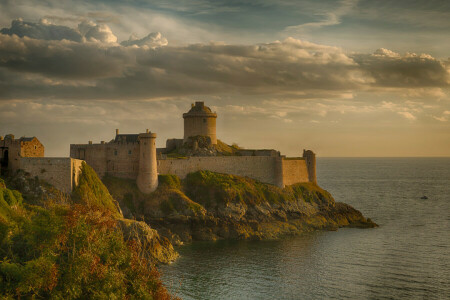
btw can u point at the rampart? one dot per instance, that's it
(62, 172)
(294, 171)
(278, 171)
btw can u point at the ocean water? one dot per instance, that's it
(407, 257)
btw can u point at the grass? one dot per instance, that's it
(92, 192)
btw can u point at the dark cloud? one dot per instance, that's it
(390, 69)
(42, 30)
(99, 68)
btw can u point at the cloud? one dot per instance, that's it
(97, 67)
(153, 40)
(96, 32)
(407, 115)
(390, 69)
(328, 18)
(43, 30)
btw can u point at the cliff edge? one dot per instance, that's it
(210, 206)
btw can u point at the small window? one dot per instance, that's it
(204, 120)
(35, 147)
(115, 152)
(129, 152)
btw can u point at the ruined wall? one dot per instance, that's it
(294, 171)
(263, 168)
(62, 173)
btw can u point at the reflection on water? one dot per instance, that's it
(407, 257)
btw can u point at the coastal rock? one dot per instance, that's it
(156, 248)
(211, 206)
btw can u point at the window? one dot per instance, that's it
(115, 152)
(35, 147)
(129, 152)
(204, 120)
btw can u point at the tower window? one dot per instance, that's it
(115, 152)
(204, 120)
(35, 147)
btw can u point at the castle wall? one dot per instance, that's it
(116, 159)
(294, 171)
(261, 168)
(258, 152)
(62, 173)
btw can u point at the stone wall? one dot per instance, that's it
(32, 148)
(116, 159)
(13, 149)
(263, 168)
(62, 173)
(294, 171)
(258, 152)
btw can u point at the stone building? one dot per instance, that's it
(27, 154)
(134, 156)
(11, 150)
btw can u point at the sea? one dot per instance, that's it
(406, 257)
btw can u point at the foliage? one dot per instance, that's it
(92, 192)
(168, 199)
(76, 251)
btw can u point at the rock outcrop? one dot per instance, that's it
(211, 206)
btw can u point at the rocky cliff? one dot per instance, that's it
(210, 206)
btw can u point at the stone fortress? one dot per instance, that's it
(135, 156)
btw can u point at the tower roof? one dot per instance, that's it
(199, 110)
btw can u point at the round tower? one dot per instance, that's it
(147, 180)
(200, 120)
(310, 158)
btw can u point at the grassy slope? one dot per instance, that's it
(208, 205)
(92, 192)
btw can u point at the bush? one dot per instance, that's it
(75, 252)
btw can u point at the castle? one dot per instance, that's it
(135, 156)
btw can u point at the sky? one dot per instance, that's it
(344, 78)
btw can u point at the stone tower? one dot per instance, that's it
(200, 120)
(310, 158)
(147, 180)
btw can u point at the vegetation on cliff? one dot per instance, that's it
(208, 206)
(78, 248)
(92, 192)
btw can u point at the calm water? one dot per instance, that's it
(407, 257)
